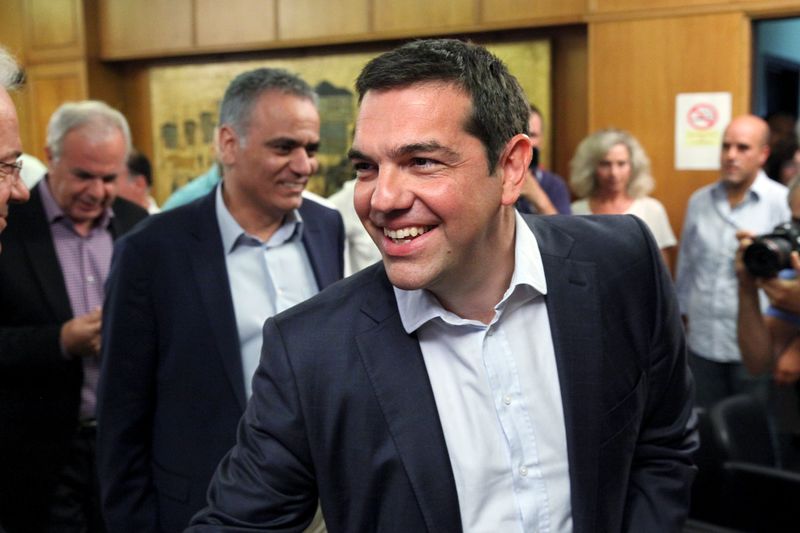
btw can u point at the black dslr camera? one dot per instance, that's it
(770, 253)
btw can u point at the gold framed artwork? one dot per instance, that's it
(185, 103)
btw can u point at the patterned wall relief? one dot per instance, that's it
(185, 103)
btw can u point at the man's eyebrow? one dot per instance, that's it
(280, 141)
(424, 147)
(15, 154)
(355, 154)
(408, 149)
(85, 174)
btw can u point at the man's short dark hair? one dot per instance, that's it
(499, 107)
(139, 165)
(247, 87)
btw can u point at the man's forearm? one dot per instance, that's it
(755, 343)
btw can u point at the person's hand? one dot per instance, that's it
(745, 239)
(532, 191)
(80, 336)
(787, 367)
(784, 293)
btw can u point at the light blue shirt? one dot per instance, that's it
(706, 277)
(199, 186)
(499, 400)
(265, 278)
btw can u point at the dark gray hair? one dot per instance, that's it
(11, 75)
(499, 106)
(247, 87)
(71, 115)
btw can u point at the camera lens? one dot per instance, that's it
(766, 257)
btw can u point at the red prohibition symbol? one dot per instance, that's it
(702, 116)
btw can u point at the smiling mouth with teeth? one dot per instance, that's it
(404, 234)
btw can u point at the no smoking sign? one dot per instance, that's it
(702, 116)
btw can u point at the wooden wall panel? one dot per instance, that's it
(53, 30)
(230, 23)
(11, 27)
(130, 28)
(637, 67)
(570, 86)
(424, 15)
(313, 20)
(512, 10)
(49, 87)
(599, 6)
(13, 40)
(136, 106)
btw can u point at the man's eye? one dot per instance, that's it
(422, 162)
(360, 166)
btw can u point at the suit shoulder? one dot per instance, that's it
(331, 304)
(167, 226)
(313, 208)
(589, 226)
(128, 212)
(597, 238)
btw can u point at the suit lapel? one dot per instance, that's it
(211, 275)
(38, 244)
(394, 363)
(314, 249)
(320, 246)
(574, 314)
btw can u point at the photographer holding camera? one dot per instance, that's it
(742, 198)
(771, 262)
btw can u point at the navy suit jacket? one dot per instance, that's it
(40, 389)
(172, 389)
(343, 408)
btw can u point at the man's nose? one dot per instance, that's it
(19, 192)
(302, 163)
(97, 187)
(391, 191)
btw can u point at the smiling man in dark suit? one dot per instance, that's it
(55, 259)
(188, 295)
(495, 372)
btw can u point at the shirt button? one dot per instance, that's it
(90, 279)
(523, 471)
(507, 400)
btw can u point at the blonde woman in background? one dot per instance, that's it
(610, 175)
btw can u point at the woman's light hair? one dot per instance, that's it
(73, 115)
(10, 74)
(594, 148)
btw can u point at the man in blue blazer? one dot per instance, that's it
(188, 294)
(495, 372)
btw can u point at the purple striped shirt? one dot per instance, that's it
(84, 263)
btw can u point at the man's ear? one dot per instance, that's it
(227, 144)
(764, 155)
(140, 182)
(513, 166)
(49, 153)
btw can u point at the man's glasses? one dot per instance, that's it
(10, 172)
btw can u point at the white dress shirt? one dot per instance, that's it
(265, 278)
(499, 400)
(706, 281)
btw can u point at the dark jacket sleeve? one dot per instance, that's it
(125, 394)
(266, 482)
(662, 470)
